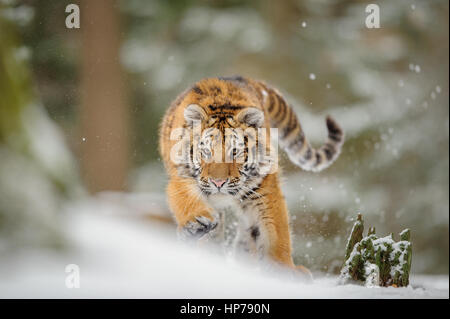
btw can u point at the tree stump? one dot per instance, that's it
(377, 261)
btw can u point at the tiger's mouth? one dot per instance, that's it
(212, 186)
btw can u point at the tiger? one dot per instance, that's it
(198, 189)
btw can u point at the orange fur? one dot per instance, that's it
(221, 101)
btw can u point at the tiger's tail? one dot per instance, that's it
(292, 137)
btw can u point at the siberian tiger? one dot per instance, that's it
(198, 188)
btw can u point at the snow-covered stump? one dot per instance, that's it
(377, 261)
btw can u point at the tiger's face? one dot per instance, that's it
(229, 152)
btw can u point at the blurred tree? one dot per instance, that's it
(37, 173)
(104, 110)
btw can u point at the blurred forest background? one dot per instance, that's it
(80, 110)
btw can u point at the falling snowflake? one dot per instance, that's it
(417, 68)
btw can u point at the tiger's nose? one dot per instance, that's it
(218, 182)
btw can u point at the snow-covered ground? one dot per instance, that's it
(124, 257)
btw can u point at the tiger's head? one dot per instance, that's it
(230, 150)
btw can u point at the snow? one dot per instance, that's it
(383, 242)
(372, 275)
(119, 256)
(415, 68)
(356, 224)
(433, 96)
(345, 270)
(404, 231)
(399, 248)
(22, 14)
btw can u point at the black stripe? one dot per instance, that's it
(259, 204)
(281, 110)
(329, 151)
(225, 107)
(335, 137)
(318, 159)
(295, 145)
(298, 141)
(197, 90)
(308, 154)
(271, 101)
(234, 78)
(291, 125)
(217, 90)
(333, 128)
(251, 193)
(232, 107)
(254, 232)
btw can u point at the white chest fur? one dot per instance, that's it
(249, 233)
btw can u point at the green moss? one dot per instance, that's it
(377, 261)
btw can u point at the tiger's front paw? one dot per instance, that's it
(197, 228)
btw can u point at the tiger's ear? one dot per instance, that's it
(193, 112)
(251, 116)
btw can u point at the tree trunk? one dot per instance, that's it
(103, 113)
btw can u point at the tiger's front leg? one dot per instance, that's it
(275, 225)
(264, 227)
(194, 217)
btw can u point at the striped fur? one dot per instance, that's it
(197, 189)
(292, 137)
